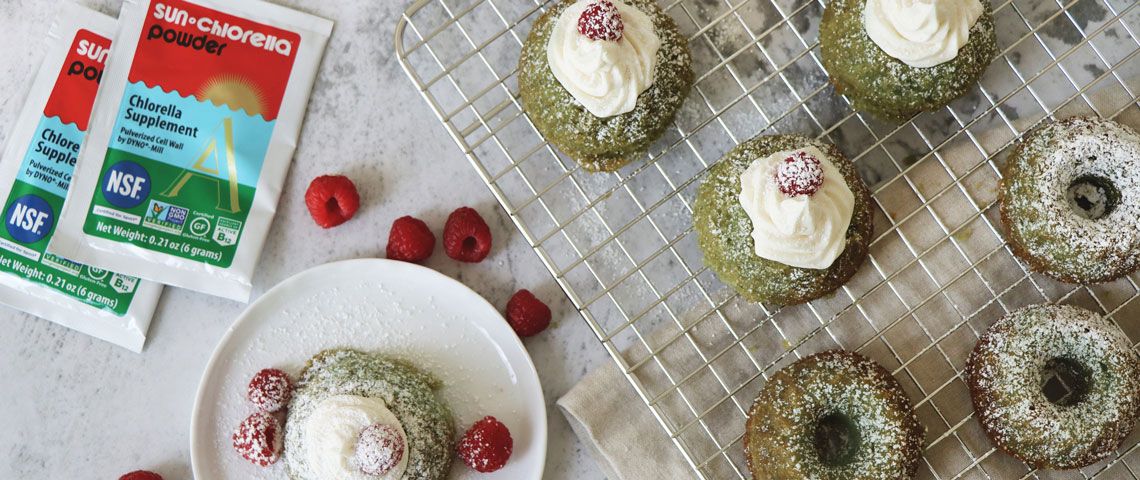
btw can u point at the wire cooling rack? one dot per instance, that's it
(623, 248)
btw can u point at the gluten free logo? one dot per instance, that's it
(200, 226)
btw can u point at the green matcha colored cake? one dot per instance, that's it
(890, 89)
(1070, 200)
(835, 415)
(724, 228)
(406, 392)
(1007, 369)
(604, 143)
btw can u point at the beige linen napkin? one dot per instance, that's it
(628, 442)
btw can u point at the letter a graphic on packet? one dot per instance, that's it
(191, 138)
(37, 169)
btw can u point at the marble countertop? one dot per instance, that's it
(82, 408)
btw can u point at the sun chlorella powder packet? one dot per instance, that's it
(36, 170)
(191, 138)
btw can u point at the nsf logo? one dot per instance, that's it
(126, 184)
(30, 219)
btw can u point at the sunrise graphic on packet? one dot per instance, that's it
(235, 92)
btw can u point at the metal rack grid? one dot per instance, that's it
(622, 246)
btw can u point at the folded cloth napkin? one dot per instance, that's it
(628, 442)
(619, 430)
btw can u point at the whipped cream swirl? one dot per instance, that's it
(805, 231)
(921, 33)
(332, 431)
(604, 76)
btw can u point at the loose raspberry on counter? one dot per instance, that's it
(526, 314)
(410, 240)
(141, 475)
(486, 446)
(270, 390)
(379, 449)
(799, 174)
(258, 439)
(332, 200)
(601, 21)
(466, 237)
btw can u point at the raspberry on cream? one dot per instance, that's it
(807, 230)
(921, 33)
(333, 432)
(605, 75)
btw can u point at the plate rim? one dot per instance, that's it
(243, 317)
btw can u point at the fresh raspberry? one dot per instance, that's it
(141, 475)
(270, 390)
(601, 21)
(799, 174)
(410, 240)
(379, 449)
(486, 446)
(258, 439)
(466, 237)
(332, 200)
(527, 314)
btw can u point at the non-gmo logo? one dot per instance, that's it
(126, 184)
(29, 219)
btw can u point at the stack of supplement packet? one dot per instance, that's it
(151, 151)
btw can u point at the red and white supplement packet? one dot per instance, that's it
(191, 138)
(37, 169)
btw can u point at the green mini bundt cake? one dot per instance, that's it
(805, 237)
(368, 416)
(581, 70)
(930, 74)
(835, 415)
(1070, 200)
(1006, 373)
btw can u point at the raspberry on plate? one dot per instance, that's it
(410, 240)
(141, 475)
(379, 449)
(526, 314)
(601, 21)
(258, 439)
(332, 200)
(270, 390)
(486, 446)
(466, 237)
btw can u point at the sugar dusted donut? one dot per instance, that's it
(833, 415)
(1005, 374)
(1070, 200)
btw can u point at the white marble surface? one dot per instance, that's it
(76, 407)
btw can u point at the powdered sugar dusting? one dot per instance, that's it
(1039, 217)
(258, 439)
(601, 21)
(1005, 372)
(779, 436)
(799, 174)
(380, 448)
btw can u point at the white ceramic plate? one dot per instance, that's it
(384, 306)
